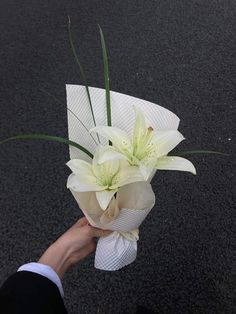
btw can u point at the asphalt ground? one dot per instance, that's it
(178, 54)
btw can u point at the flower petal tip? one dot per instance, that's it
(193, 170)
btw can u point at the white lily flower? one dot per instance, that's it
(105, 179)
(146, 148)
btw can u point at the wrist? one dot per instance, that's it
(57, 256)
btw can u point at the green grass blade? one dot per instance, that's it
(81, 70)
(89, 133)
(61, 102)
(192, 152)
(47, 138)
(106, 76)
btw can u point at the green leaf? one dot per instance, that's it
(191, 152)
(81, 69)
(82, 125)
(61, 102)
(106, 76)
(47, 138)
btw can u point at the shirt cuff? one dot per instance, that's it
(45, 271)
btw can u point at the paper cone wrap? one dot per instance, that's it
(134, 202)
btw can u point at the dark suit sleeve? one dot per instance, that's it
(30, 293)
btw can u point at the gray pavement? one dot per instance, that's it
(179, 54)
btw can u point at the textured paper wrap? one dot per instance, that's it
(127, 213)
(122, 115)
(124, 215)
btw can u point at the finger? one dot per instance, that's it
(91, 247)
(82, 222)
(83, 252)
(96, 232)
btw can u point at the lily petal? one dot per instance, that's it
(139, 126)
(108, 169)
(111, 154)
(127, 174)
(145, 171)
(119, 138)
(80, 167)
(80, 183)
(175, 163)
(104, 198)
(166, 141)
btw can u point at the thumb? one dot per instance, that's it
(96, 232)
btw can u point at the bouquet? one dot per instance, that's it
(116, 144)
(113, 188)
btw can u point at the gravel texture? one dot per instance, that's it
(179, 54)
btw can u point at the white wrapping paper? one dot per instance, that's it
(133, 202)
(122, 115)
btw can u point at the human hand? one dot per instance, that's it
(74, 245)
